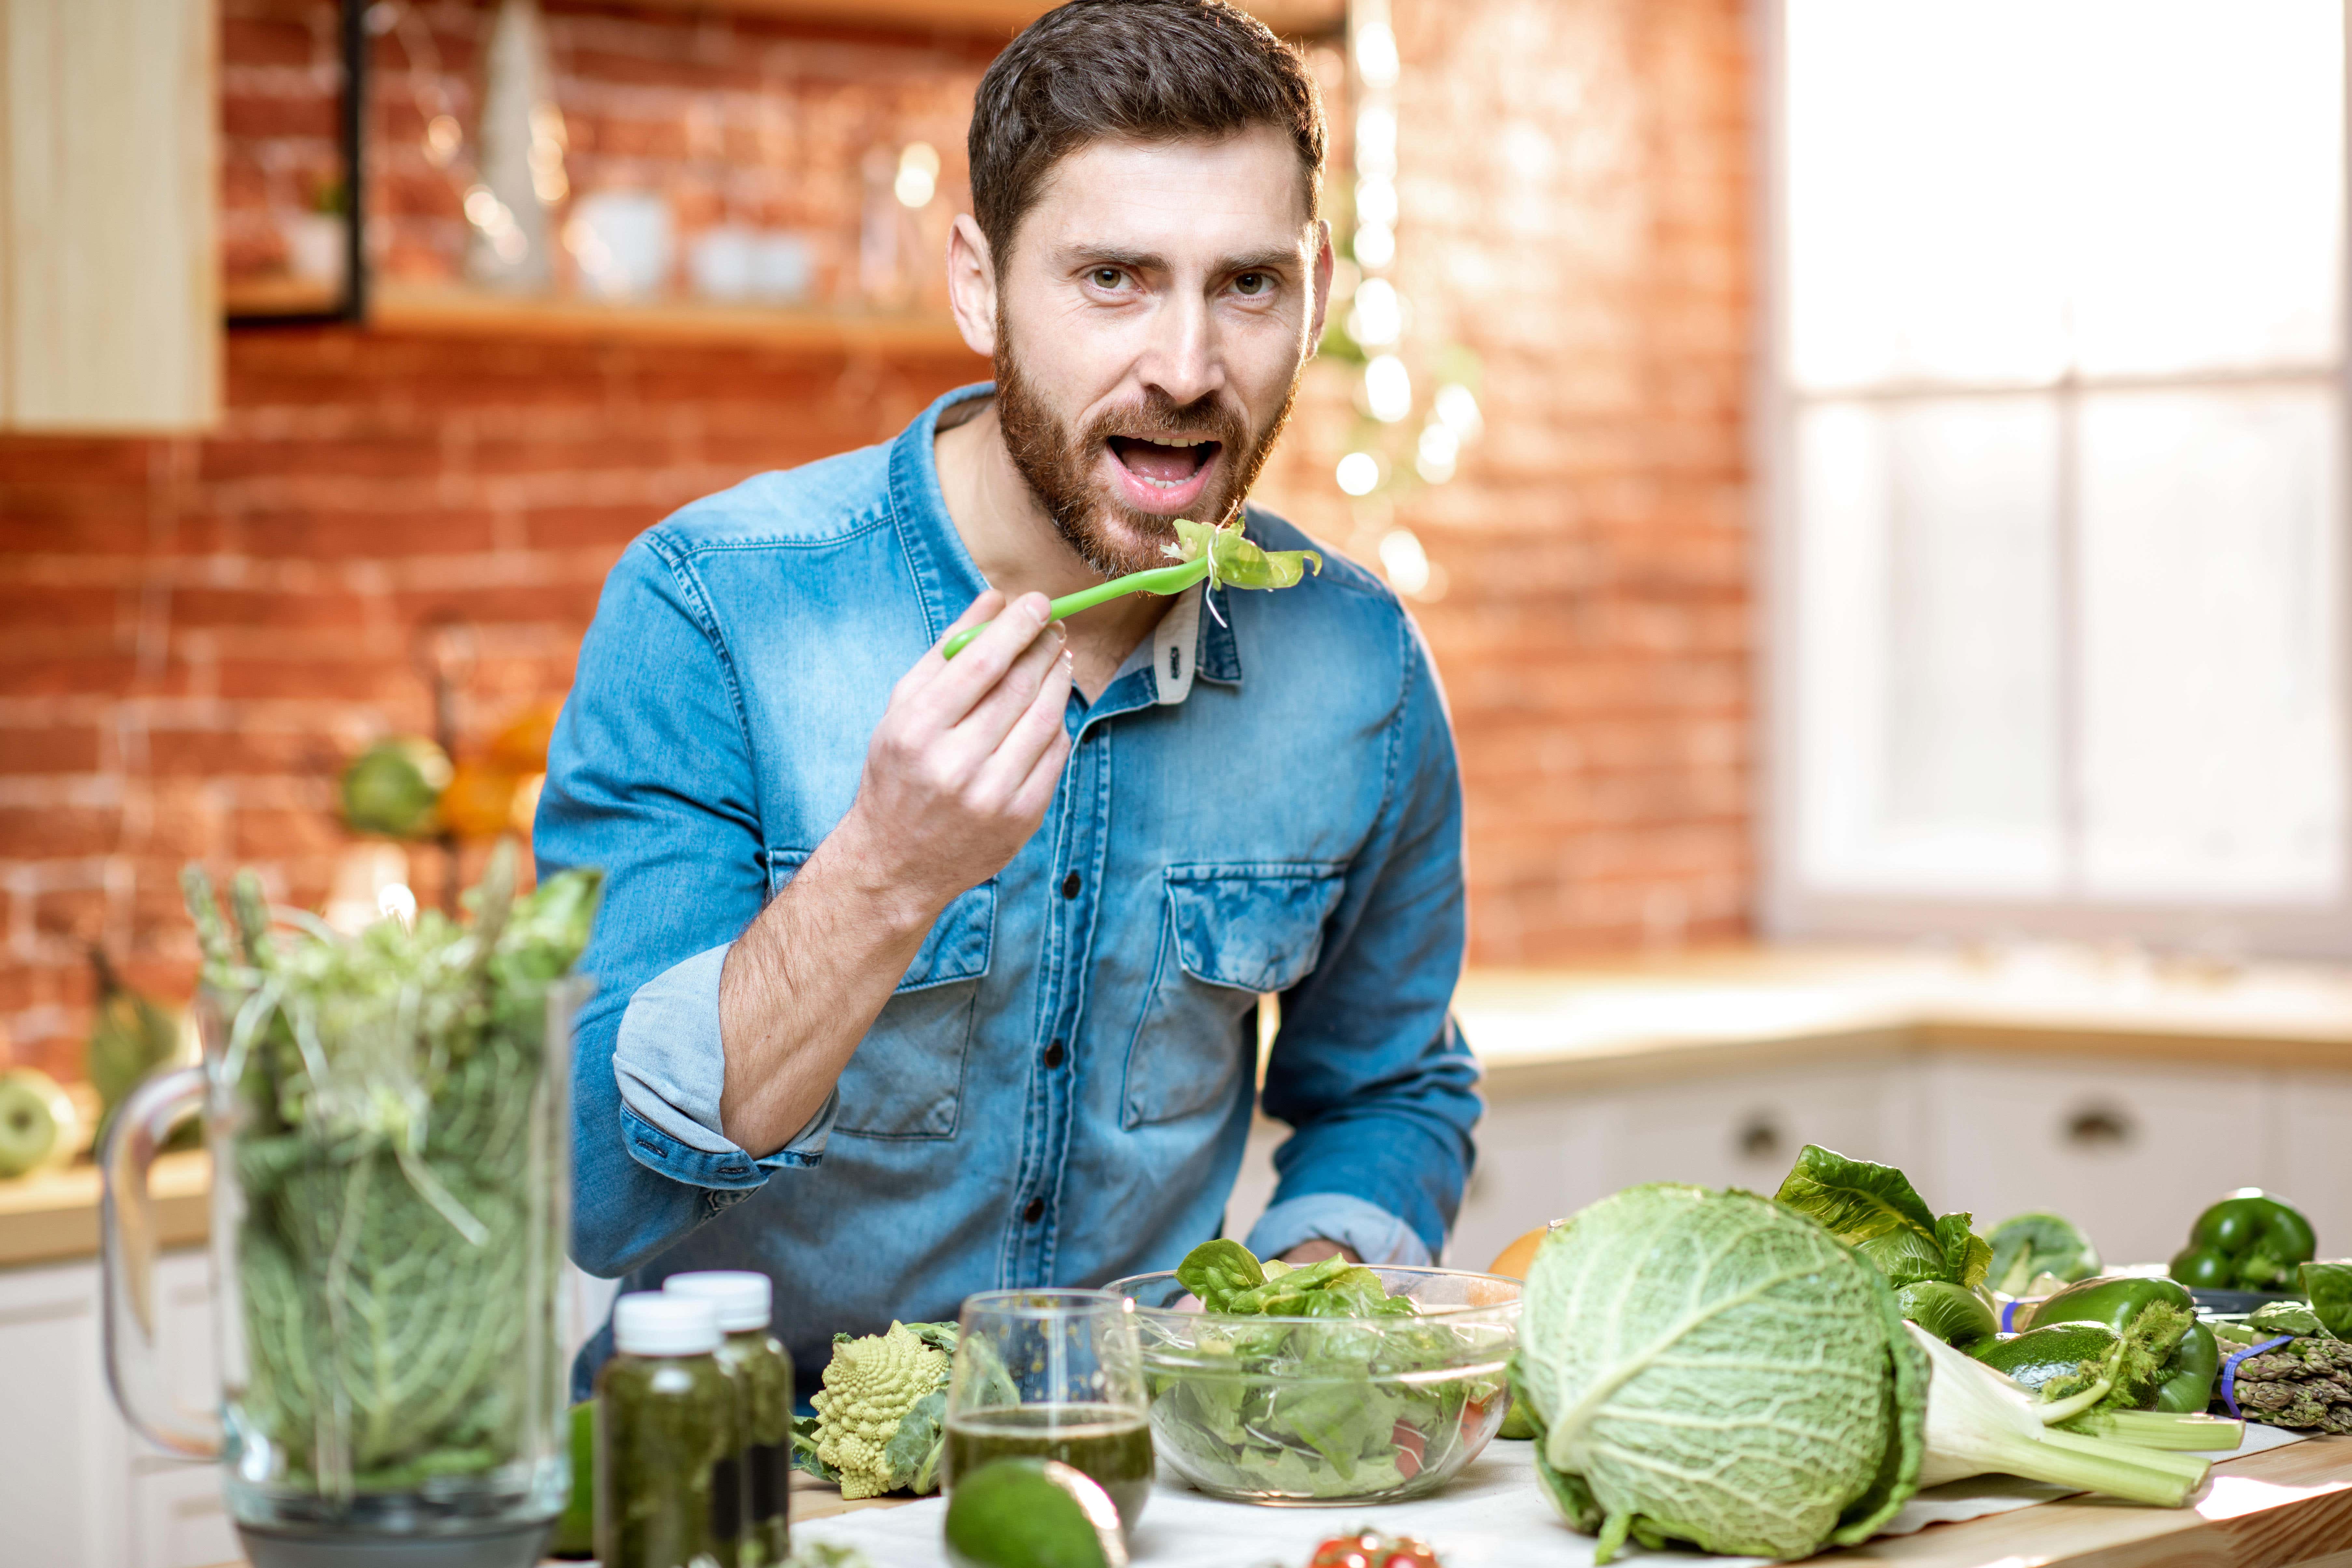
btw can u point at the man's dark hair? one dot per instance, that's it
(1142, 70)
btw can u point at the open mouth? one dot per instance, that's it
(1164, 470)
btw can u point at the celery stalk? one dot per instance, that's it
(1158, 580)
(2194, 1433)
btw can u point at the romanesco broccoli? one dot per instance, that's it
(881, 1418)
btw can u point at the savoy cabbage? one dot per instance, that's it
(1712, 1368)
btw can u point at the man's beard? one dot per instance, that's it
(1059, 466)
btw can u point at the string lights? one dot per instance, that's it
(1388, 453)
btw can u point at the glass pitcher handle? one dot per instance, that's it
(127, 1222)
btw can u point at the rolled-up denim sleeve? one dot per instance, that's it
(1367, 1230)
(650, 778)
(1369, 1068)
(670, 1066)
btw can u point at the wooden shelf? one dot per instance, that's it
(469, 312)
(1291, 18)
(277, 296)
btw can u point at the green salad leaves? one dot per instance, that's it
(1313, 1382)
(1221, 555)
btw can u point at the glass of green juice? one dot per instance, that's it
(1051, 1374)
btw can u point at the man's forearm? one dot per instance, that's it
(805, 983)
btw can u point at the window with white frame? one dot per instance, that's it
(2057, 426)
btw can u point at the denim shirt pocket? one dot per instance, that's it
(1229, 933)
(905, 1078)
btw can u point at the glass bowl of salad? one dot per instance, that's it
(1379, 1389)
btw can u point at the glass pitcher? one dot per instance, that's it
(388, 1270)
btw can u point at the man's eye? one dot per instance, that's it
(1253, 283)
(1107, 277)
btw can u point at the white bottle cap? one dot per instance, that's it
(740, 1296)
(651, 1323)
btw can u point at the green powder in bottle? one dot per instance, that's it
(764, 1379)
(668, 1473)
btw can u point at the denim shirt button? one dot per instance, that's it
(1053, 1055)
(1070, 885)
(1035, 1211)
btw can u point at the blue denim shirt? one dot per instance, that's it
(1264, 799)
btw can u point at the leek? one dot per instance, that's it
(1981, 1423)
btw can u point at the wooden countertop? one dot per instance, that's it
(1735, 1009)
(52, 1217)
(2285, 1506)
(1690, 1015)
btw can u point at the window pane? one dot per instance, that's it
(1996, 192)
(2211, 756)
(1920, 192)
(2206, 192)
(1926, 650)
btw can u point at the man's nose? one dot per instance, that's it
(1183, 358)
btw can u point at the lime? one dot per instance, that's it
(38, 1124)
(575, 1530)
(1032, 1513)
(395, 786)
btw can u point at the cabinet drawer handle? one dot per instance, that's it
(2101, 1129)
(1759, 1137)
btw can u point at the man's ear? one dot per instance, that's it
(971, 285)
(1322, 287)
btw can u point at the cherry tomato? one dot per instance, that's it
(1372, 1550)
(1345, 1551)
(1410, 1446)
(1408, 1551)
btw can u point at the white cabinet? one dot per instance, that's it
(1539, 1157)
(78, 1489)
(2312, 1140)
(2130, 1154)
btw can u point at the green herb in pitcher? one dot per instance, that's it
(763, 1378)
(668, 1487)
(1111, 1443)
(393, 1135)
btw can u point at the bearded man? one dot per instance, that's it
(923, 976)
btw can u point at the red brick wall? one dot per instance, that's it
(1574, 180)
(196, 634)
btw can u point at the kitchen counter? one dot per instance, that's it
(1743, 1008)
(52, 1216)
(2287, 1506)
(1694, 1015)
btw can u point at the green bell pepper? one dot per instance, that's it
(2248, 1241)
(2118, 1302)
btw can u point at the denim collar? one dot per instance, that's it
(948, 579)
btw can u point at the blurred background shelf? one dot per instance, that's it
(1292, 18)
(470, 313)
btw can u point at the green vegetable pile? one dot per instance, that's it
(1339, 1390)
(2156, 1316)
(881, 1421)
(1718, 1368)
(399, 1152)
